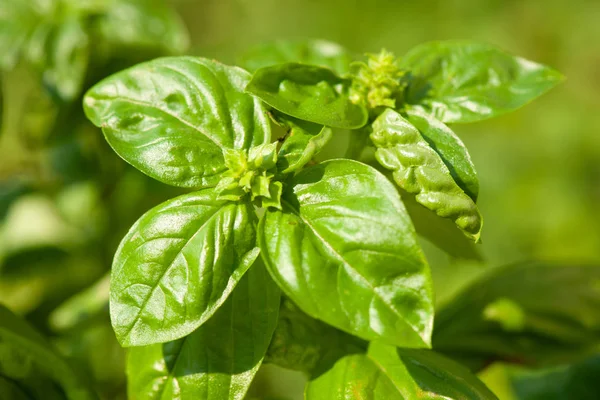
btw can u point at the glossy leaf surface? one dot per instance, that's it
(28, 362)
(315, 52)
(307, 92)
(219, 359)
(389, 373)
(420, 170)
(344, 250)
(532, 313)
(450, 149)
(172, 117)
(177, 265)
(303, 141)
(468, 81)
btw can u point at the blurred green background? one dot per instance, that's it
(538, 167)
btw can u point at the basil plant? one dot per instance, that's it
(274, 256)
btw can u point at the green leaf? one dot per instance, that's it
(141, 25)
(468, 81)
(389, 373)
(306, 344)
(28, 361)
(219, 359)
(316, 52)
(303, 141)
(419, 170)
(308, 92)
(441, 232)
(577, 381)
(172, 117)
(18, 20)
(177, 265)
(551, 318)
(450, 149)
(344, 250)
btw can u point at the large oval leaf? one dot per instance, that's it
(307, 92)
(344, 250)
(172, 117)
(30, 366)
(316, 52)
(420, 170)
(467, 81)
(451, 150)
(389, 373)
(535, 314)
(217, 360)
(177, 265)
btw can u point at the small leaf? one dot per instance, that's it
(303, 142)
(419, 170)
(468, 81)
(552, 316)
(217, 360)
(344, 250)
(28, 361)
(389, 373)
(307, 92)
(450, 149)
(172, 117)
(315, 52)
(177, 265)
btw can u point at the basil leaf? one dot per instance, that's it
(172, 117)
(536, 314)
(316, 52)
(468, 81)
(389, 373)
(28, 361)
(419, 170)
(450, 149)
(219, 359)
(303, 142)
(441, 232)
(18, 19)
(177, 265)
(344, 250)
(305, 344)
(307, 92)
(142, 25)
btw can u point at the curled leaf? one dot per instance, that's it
(419, 170)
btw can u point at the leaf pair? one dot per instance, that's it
(55, 37)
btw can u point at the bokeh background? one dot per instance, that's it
(538, 167)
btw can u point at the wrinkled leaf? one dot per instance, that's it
(316, 52)
(172, 117)
(27, 360)
(441, 232)
(389, 373)
(468, 81)
(303, 141)
(450, 149)
(534, 314)
(177, 265)
(219, 359)
(419, 170)
(307, 92)
(344, 250)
